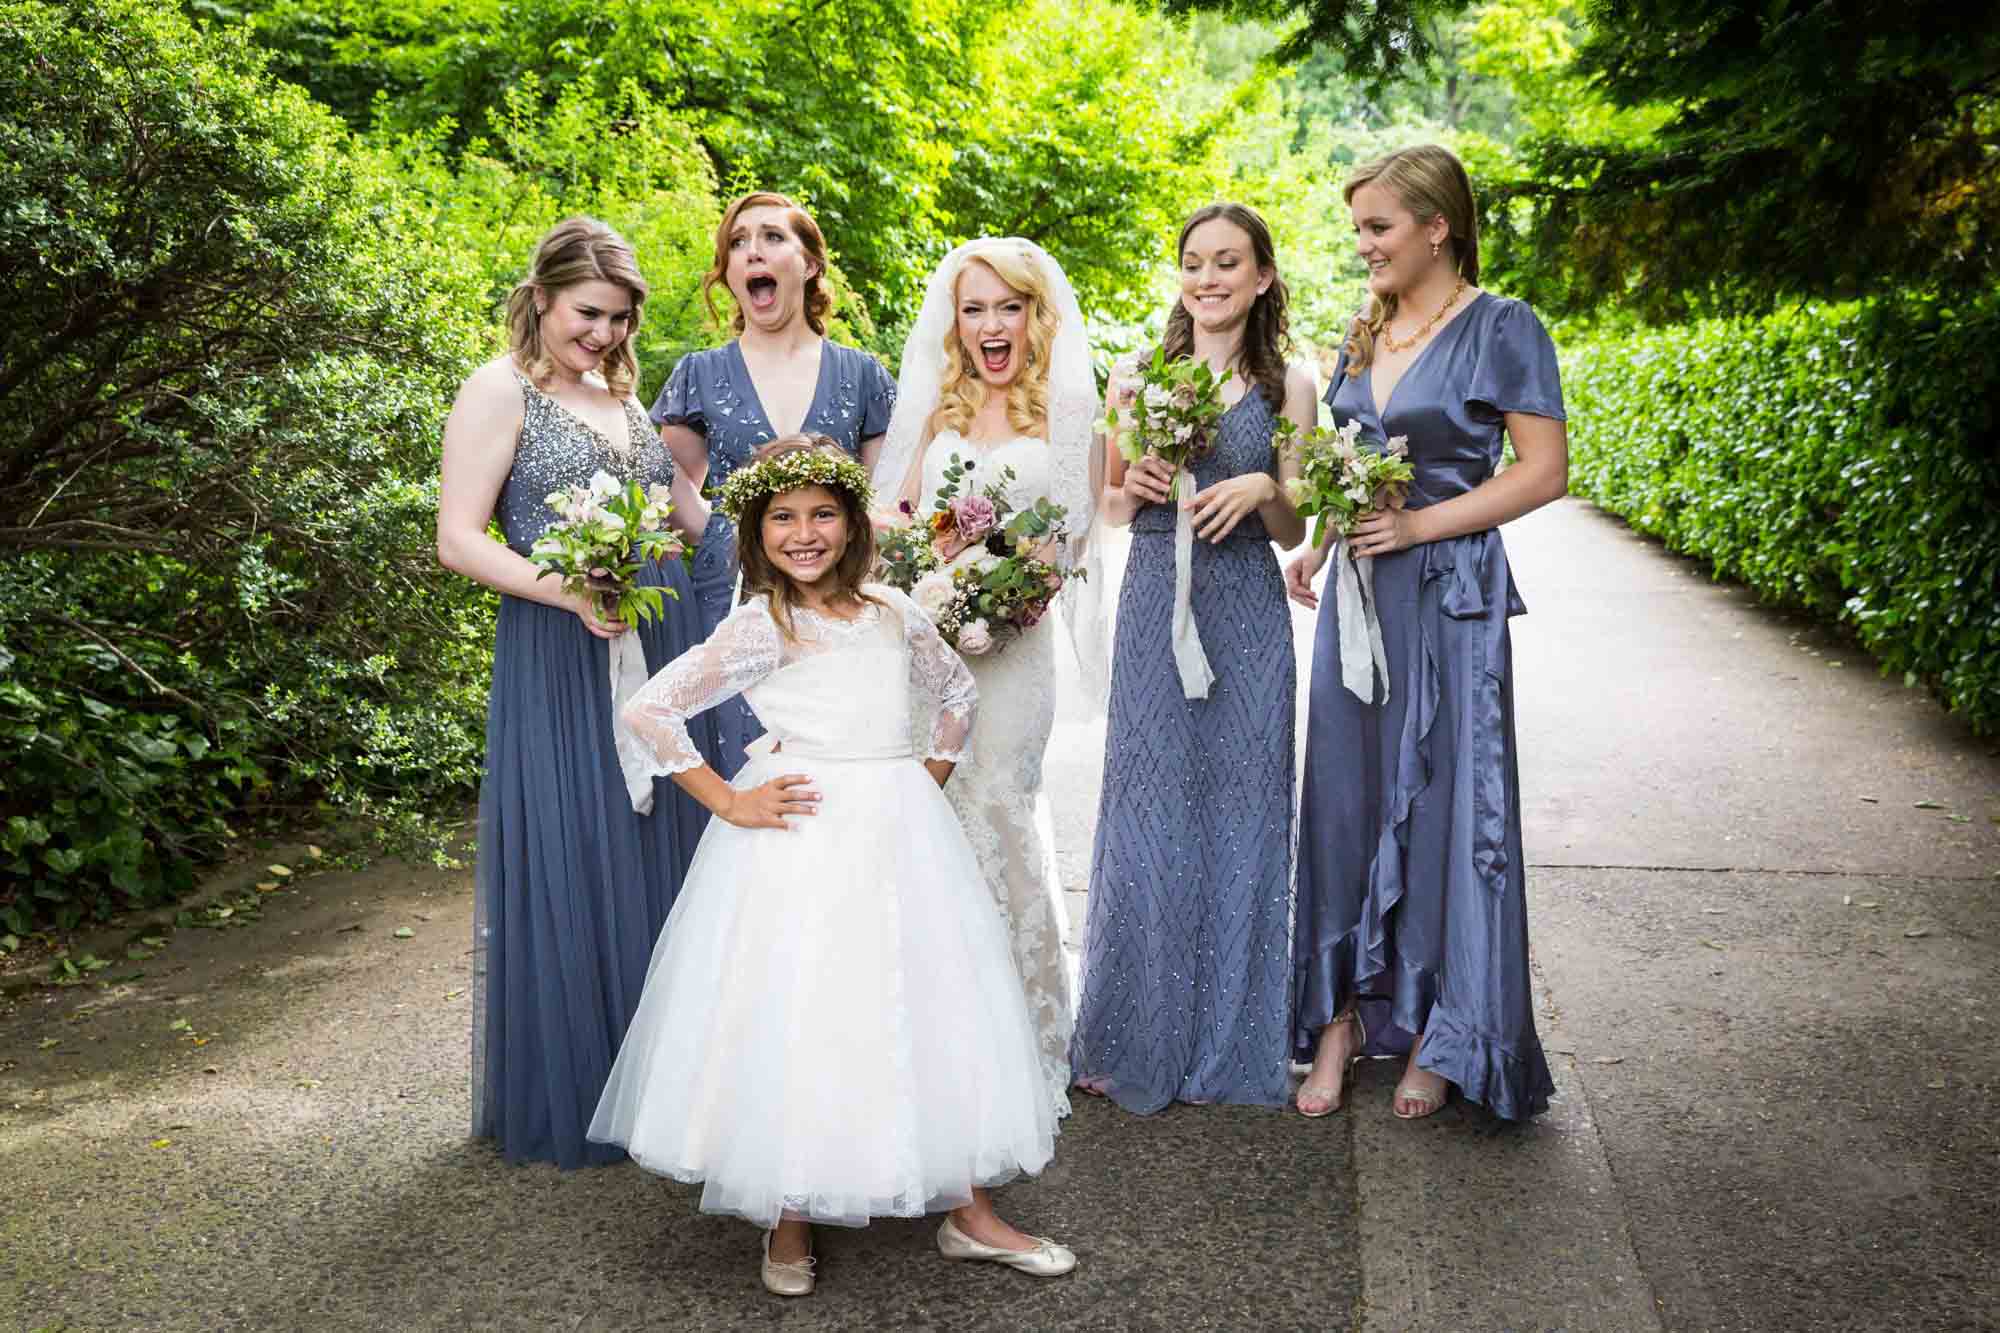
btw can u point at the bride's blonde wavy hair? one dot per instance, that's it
(961, 393)
(575, 250)
(1431, 182)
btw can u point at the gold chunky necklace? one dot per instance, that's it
(1388, 339)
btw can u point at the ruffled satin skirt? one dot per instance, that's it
(1411, 894)
(832, 1026)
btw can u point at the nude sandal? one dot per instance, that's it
(1323, 1105)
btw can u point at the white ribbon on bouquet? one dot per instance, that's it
(1192, 662)
(636, 761)
(1361, 652)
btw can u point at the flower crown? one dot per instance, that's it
(788, 472)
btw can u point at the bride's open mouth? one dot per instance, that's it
(762, 290)
(996, 354)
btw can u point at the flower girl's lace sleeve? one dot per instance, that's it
(942, 675)
(744, 649)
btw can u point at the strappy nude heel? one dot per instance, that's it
(1325, 1105)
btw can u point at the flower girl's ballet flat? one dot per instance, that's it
(1047, 1259)
(792, 1279)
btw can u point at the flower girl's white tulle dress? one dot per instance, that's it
(832, 1026)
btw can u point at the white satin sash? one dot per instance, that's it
(1196, 676)
(628, 673)
(1361, 652)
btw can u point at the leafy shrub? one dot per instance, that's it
(1839, 459)
(221, 378)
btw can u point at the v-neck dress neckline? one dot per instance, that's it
(1380, 408)
(755, 398)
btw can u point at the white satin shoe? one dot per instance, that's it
(792, 1279)
(1047, 1259)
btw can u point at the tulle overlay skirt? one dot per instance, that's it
(832, 1025)
(572, 886)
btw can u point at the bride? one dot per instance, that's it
(996, 376)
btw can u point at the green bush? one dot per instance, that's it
(227, 353)
(1837, 459)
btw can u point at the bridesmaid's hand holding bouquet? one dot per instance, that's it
(1342, 479)
(1166, 410)
(605, 532)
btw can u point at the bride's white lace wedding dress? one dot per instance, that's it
(831, 1026)
(996, 791)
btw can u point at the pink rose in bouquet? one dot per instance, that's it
(974, 516)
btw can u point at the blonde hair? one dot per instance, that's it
(1431, 183)
(575, 250)
(761, 574)
(819, 294)
(962, 393)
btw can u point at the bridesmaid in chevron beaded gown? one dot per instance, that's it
(1186, 956)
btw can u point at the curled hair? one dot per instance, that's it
(761, 574)
(1267, 337)
(1431, 183)
(819, 292)
(575, 250)
(961, 392)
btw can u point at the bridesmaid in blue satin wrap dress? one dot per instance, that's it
(1412, 906)
(770, 256)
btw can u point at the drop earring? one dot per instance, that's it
(1434, 249)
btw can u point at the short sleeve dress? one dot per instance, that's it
(711, 393)
(1411, 893)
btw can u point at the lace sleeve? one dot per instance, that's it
(942, 675)
(744, 649)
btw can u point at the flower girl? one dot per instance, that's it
(832, 1028)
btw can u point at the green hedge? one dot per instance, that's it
(1836, 459)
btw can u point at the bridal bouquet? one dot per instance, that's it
(975, 564)
(1340, 479)
(605, 531)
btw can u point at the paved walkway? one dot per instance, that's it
(1765, 918)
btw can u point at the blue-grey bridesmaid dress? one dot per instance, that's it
(710, 392)
(572, 886)
(1186, 966)
(1411, 892)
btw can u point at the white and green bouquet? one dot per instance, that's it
(606, 530)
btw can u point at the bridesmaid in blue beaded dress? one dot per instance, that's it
(573, 884)
(780, 376)
(1412, 935)
(1186, 958)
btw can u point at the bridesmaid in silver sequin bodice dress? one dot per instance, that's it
(572, 884)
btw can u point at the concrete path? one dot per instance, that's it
(1765, 918)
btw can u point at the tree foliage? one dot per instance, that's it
(224, 366)
(1809, 148)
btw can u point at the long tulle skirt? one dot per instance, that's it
(832, 1025)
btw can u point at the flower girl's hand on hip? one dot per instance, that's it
(1299, 575)
(767, 806)
(1149, 481)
